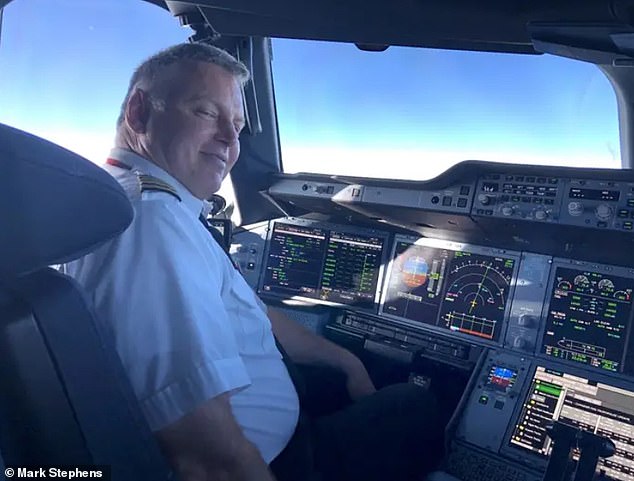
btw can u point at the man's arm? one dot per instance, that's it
(305, 347)
(208, 444)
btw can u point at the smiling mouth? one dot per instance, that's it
(214, 156)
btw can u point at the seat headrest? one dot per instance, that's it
(55, 206)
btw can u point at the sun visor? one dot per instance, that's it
(55, 206)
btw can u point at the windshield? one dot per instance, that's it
(404, 113)
(411, 113)
(65, 66)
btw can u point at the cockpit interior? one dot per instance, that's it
(505, 288)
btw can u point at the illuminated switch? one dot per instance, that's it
(484, 399)
(356, 192)
(464, 190)
(446, 200)
(251, 266)
(462, 202)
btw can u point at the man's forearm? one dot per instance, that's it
(248, 466)
(306, 347)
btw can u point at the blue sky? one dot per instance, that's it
(402, 113)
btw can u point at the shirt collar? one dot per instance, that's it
(192, 203)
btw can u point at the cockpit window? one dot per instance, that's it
(65, 65)
(411, 113)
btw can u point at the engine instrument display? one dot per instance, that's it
(588, 318)
(458, 290)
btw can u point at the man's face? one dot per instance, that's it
(195, 136)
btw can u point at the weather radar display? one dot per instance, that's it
(455, 290)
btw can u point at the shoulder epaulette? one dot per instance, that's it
(134, 183)
(150, 183)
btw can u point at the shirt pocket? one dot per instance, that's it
(252, 324)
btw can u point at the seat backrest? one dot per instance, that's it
(64, 397)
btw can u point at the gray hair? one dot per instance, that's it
(151, 68)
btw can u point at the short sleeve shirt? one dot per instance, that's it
(186, 325)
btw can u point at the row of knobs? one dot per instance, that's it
(602, 212)
(509, 210)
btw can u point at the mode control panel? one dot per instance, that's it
(493, 400)
(519, 196)
(599, 204)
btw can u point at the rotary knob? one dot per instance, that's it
(603, 212)
(485, 199)
(520, 343)
(508, 210)
(575, 209)
(541, 214)
(526, 320)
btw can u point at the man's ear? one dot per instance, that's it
(137, 111)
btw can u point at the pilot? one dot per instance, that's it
(198, 346)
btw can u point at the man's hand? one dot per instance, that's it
(358, 380)
(305, 347)
(208, 443)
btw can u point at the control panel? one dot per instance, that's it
(419, 292)
(599, 204)
(401, 344)
(493, 400)
(526, 197)
(518, 275)
(591, 403)
(247, 251)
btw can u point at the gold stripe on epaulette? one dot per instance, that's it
(154, 184)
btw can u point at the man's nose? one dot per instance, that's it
(226, 132)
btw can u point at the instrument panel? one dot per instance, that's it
(557, 330)
(575, 312)
(519, 275)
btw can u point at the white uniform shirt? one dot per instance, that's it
(186, 324)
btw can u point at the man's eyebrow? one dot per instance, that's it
(206, 97)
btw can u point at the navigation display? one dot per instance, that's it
(329, 264)
(457, 290)
(588, 318)
(599, 408)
